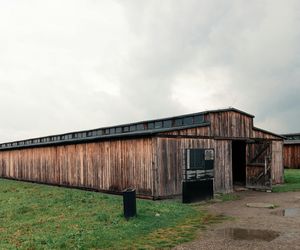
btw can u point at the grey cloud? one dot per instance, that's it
(69, 65)
(257, 42)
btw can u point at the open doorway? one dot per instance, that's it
(239, 163)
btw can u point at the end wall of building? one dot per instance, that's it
(170, 164)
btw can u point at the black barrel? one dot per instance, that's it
(129, 202)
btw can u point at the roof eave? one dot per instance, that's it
(268, 132)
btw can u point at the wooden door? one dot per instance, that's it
(259, 165)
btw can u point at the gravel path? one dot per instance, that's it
(221, 236)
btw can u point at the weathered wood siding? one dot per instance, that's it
(170, 164)
(256, 133)
(277, 162)
(230, 124)
(223, 166)
(200, 131)
(109, 165)
(224, 124)
(252, 171)
(291, 156)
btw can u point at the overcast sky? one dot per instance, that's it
(68, 65)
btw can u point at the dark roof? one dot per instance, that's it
(291, 142)
(141, 128)
(292, 138)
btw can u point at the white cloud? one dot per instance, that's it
(195, 90)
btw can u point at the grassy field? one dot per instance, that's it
(36, 216)
(292, 181)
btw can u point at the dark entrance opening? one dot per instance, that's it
(198, 175)
(239, 162)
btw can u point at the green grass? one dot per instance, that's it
(292, 181)
(229, 197)
(36, 216)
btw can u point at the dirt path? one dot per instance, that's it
(221, 236)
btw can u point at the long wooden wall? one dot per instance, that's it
(109, 165)
(291, 156)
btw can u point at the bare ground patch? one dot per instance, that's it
(252, 223)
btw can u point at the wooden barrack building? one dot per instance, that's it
(291, 151)
(151, 156)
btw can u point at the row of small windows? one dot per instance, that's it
(164, 124)
(293, 137)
